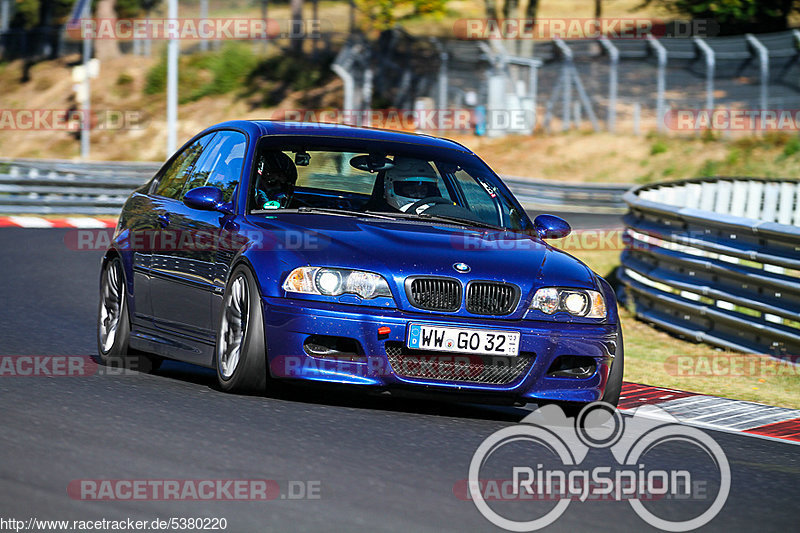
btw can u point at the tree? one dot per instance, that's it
(106, 48)
(383, 14)
(296, 31)
(735, 16)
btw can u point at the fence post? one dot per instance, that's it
(613, 54)
(661, 54)
(5, 14)
(441, 99)
(86, 105)
(566, 85)
(708, 53)
(204, 16)
(763, 62)
(366, 99)
(349, 88)
(172, 84)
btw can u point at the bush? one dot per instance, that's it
(658, 147)
(206, 74)
(792, 146)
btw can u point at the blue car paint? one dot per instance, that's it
(394, 249)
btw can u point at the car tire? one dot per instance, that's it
(613, 384)
(113, 323)
(240, 351)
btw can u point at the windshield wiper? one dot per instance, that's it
(465, 222)
(342, 212)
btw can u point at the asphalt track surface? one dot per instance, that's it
(382, 463)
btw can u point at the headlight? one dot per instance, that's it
(336, 281)
(577, 302)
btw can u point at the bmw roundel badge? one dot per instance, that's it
(462, 267)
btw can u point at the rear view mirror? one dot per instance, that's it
(551, 227)
(205, 199)
(371, 163)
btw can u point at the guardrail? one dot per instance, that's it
(541, 195)
(55, 186)
(717, 260)
(39, 186)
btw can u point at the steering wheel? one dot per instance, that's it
(435, 200)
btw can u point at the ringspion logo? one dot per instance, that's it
(674, 477)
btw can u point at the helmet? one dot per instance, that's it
(408, 181)
(275, 174)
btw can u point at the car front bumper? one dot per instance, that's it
(290, 322)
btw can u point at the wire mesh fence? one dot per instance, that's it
(626, 85)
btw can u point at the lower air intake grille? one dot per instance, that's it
(465, 368)
(434, 294)
(491, 297)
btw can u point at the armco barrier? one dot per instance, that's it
(717, 260)
(39, 186)
(98, 188)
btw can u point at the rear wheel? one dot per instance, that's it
(241, 349)
(113, 323)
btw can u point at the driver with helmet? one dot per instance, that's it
(408, 181)
(276, 175)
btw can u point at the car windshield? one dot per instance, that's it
(389, 185)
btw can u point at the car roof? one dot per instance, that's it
(317, 129)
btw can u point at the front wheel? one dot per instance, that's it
(113, 323)
(613, 384)
(241, 349)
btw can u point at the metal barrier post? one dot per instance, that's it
(349, 86)
(204, 16)
(366, 102)
(763, 62)
(4, 15)
(441, 100)
(613, 55)
(86, 105)
(661, 55)
(708, 53)
(566, 85)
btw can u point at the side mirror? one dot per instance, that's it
(205, 199)
(551, 227)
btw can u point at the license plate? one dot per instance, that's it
(461, 340)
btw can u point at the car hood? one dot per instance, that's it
(398, 249)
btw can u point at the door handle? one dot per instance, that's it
(163, 220)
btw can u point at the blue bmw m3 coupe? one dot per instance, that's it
(381, 260)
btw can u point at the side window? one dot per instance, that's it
(220, 165)
(477, 197)
(173, 178)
